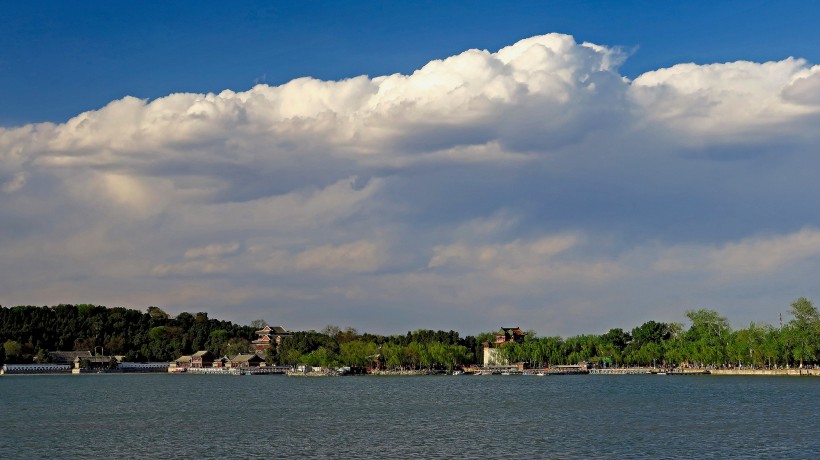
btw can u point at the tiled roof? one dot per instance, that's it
(244, 357)
(68, 356)
(94, 359)
(275, 330)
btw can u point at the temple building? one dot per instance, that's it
(202, 358)
(245, 360)
(505, 335)
(269, 336)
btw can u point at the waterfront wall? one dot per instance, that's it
(35, 369)
(796, 372)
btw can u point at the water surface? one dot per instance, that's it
(208, 416)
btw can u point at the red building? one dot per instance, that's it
(202, 359)
(505, 335)
(270, 336)
(509, 334)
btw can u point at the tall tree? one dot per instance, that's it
(258, 324)
(708, 336)
(804, 329)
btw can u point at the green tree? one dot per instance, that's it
(158, 313)
(291, 357)
(458, 355)
(708, 336)
(115, 345)
(237, 345)
(218, 342)
(13, 350)
(331, 330)
(772, 346)
(746, 345)
(804, 330)
(410, 356)
(423, 356)
(258, 324)
(392, 354)
(651, 332)
(273, 356)
(613, 344)
(358, 353)
(321, 357)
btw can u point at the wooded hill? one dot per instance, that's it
(28, 333)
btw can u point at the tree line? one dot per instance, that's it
(709, 341)
(28, 333)
(421, 349)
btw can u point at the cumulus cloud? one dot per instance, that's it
(534, 181)
(747, 257)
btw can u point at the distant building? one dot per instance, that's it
(509, 334)
(94, 363)
(182, 362)
(67, 357)
(492, 355)
(245, 360)
(202, 359)
(270, 336)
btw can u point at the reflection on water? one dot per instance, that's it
(162, 416)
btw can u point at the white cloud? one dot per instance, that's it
(358, 257)
(804, 88)
(534, 180)
(539, 262)
(748, 257)
(725, 99)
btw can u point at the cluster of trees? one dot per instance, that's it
(423, 349)
(709, 341)
(28, 333)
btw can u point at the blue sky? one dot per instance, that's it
(62, 58)
(563, 166)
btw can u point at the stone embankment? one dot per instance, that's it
(333, 373)
(321, 373)
(404, 372)
(796, 372)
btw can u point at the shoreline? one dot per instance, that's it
(793, 372)
(767, 372)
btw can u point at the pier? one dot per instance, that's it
(261, 370)
(621, 371)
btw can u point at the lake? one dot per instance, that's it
(585, 416)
